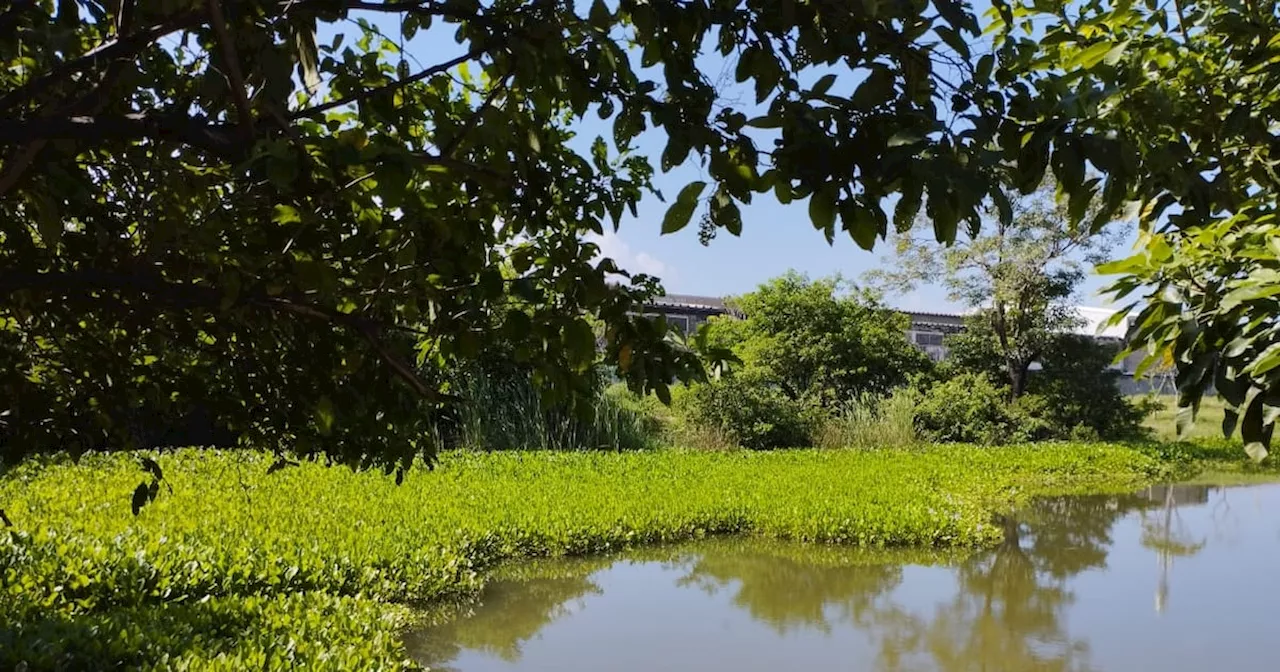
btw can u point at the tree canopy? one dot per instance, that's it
(1175, 104)
(204, 204)
(820, 341)
(1017, 276)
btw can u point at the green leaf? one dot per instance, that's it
(822, 207)
(904, 137)
(953, 40)
(1185, 420)
(679, 214)
(1092, 55)
(876, 89)
(908, 206)
(985, 65)
(1230, 417)
(1249, 293)
(141, 495)
(823, 85)
(580, 343)
(1254, 431)
(324, 415)
(308, 63)
(1126, 266)
(663, 393)
(1266, 361)
(286, 214)
(600, 17)
(860, 224)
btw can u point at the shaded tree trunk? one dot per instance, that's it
(1018, 373)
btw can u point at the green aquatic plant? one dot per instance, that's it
(236, 553)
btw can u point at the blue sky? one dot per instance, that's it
(775, 237)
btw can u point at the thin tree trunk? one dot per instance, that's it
(1017, 378)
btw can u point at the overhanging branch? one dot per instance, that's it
(156, 288)
(218, 138)
(392, 86)
(126, 46)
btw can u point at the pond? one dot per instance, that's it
(1172, 578)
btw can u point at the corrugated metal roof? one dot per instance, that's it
(690, 301)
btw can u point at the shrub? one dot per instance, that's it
(754, 414)
(1080, 391)
(968, 409)
(823, 341)
(869, 421)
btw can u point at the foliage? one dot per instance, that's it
(749, 411)
(1074, 394)
(973, 350)
(870, 422)
(1080, 390)
(1174, 104)
(818, 341)
(1212, 309)
(207, 205)
(500, 407)
(1017, 276)
(969, 408)
(293, 555)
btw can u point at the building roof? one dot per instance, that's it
(690, 301)
(1093, 319)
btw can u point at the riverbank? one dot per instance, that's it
(314, 566)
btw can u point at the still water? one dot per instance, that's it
(1174, 578)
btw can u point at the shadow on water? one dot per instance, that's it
(753, 604)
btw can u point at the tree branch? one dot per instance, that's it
(155, 286)
(217, 138)
(475, 116)
(235, 78)
(392, 86)
(90, 103)
(124, 46)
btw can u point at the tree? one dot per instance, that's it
(1018, 276)
(821, 341)
(206, 205)
(1175, 104)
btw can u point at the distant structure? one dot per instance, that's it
(687, 311)
(927, 330)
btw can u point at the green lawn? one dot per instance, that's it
(319, 567)
(1208, 424)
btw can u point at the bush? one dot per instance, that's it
(967, 409)
(869, 421)
(1073, 396)
(753, 414)
(1080, 392)
(823, 341)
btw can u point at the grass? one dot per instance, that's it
(319, 567)
(872, 422)
(1208, 424)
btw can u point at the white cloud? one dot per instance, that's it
(613, 246)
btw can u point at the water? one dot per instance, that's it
(1173, 579)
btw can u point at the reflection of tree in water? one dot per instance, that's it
(1165, 533)
(1007, 611)
(805, 588)
(509, 612)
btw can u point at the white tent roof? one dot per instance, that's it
(1093, 318)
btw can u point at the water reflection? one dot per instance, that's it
(762, 605)
(804, 588)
